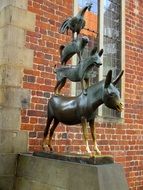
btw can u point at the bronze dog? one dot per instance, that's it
(81, 72)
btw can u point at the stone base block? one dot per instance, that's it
(6, 183)
(37, 173)
(7, 171)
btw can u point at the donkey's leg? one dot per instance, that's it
(51, 133)
(49, 120)
(85, 133)
(92, 128)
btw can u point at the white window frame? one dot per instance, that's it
(101, 38)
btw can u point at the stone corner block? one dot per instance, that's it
(10, 75)
(22, 57)
(17, 17)
(10, 118)
(13, 141)
(15, 97)
(17, 3)
(12, 36)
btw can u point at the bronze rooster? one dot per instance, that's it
(75, 23)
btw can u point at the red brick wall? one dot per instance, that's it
(134, 93)
(123, 141)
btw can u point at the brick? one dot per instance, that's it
(35, 113)
(32, 134)
(27, 127)
(33, 120)
(25, 119)
(39, 100)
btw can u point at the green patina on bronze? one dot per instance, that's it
(75, 23)
(75, 47)
(79, 73)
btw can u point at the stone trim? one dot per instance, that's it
(17, 17)
(15, 21)
(17, 3)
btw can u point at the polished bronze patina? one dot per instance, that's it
(82, 109)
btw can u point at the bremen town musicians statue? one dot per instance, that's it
(80, 109)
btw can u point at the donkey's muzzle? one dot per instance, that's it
(119, 107)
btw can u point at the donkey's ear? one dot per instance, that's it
(115, 81)
(108, 79)
(93, 51)
(100, 53)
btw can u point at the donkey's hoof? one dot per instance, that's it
(44, 146)
(97, 152)
(56, 94)
(50, 148)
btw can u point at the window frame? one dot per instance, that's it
(101, 45)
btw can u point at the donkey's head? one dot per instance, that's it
(111, 96)
(96, 56)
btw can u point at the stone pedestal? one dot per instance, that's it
(38, 173)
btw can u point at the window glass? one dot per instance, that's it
(91, 31)
(111, 42)
(111, 36)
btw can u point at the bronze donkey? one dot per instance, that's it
(79, 73)
(81, 109)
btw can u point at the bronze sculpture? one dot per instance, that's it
(80, 72)
(75, 23)
(81, 109)
(75, 47)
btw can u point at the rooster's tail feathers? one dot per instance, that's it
(64, 26)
